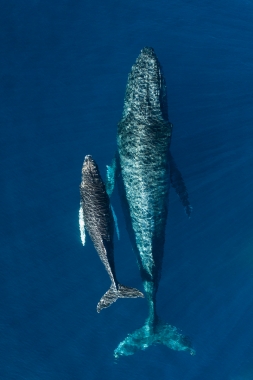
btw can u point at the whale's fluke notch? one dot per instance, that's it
(177, 182)
(146, 336)
(113, 294)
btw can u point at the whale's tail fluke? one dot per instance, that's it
(114, 293)
(149, 334)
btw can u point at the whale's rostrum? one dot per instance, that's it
(95, 215)
(144, 169)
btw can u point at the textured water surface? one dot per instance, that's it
(64, 68)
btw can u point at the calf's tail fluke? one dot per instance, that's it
(149, 334)
(114, 293)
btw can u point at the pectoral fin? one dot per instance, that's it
(177, 182)
(115, 222)
(111, 175)
(81, 224)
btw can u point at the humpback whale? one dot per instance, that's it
(96, 216)
(144, 169)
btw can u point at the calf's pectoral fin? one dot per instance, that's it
(177, 182)
(81, 224)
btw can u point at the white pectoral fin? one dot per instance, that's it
(81, 224)
(115, 222)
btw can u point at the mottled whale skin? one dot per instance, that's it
(144, 169)
(96, 216)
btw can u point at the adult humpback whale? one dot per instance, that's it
(144, 169)
(95, 215)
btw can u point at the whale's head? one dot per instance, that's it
(146, 89)
(89, 168)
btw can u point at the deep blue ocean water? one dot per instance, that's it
(63, 69)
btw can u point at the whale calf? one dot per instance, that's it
(144, 169)
(96, 216)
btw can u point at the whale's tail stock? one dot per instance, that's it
(149, 334)
(114, 293)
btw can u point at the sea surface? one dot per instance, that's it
(63, 73)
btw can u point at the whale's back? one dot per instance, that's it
(97, 213)
(143, 150)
